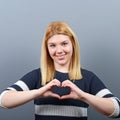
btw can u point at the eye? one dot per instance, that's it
(64, 43)
(52, 45)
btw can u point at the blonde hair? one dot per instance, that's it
(47, 65)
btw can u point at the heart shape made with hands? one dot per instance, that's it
(61, 91)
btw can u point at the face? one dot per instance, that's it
(60, 49)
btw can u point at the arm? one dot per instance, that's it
(103, 105)
(12, 98)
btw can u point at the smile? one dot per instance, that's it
(61, 57)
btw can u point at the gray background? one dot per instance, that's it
(22, 24)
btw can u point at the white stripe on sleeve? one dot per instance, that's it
(11, 88)
(22, 85)
(103, 92)
(1, 95)
(116, 111)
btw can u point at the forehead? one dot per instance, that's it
(58, 38)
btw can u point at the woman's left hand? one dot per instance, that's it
(76, 93)
(103, 105)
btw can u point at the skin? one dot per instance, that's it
(60, 50)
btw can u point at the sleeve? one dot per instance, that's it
(27, 82)
(99, 89)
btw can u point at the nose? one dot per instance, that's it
(59, 49)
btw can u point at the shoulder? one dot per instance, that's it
(87, 73)
(37, 70)
(92, 81)
(90, 77)
(32, 74)
(32, 79)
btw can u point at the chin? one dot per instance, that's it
(62, 64)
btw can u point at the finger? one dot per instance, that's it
(55, 95)
(51, 94)
(56, 82)
(52, 83)
(65, 97)
(67, 83)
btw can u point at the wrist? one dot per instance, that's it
(82, 95)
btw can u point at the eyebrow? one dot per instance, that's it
(60, 42)
(50, 43)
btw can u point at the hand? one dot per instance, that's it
(76, 93)
(46, 91)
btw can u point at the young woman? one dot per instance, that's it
(61, 88)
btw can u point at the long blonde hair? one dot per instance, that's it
(47, 65)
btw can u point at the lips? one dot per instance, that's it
(61, 57)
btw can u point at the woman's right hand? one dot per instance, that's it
(46, 90)
(13, 98)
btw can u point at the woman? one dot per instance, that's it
(61, 89)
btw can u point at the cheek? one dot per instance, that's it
(69, 50)
(51, 52)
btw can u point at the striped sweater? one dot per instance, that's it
(68, 109)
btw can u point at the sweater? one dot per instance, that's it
(67, 109)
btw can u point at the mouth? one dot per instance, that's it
(61, 57)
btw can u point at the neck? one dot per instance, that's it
(62, 68)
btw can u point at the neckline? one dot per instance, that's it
(61, 72)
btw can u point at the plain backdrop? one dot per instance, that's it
(22, 25)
